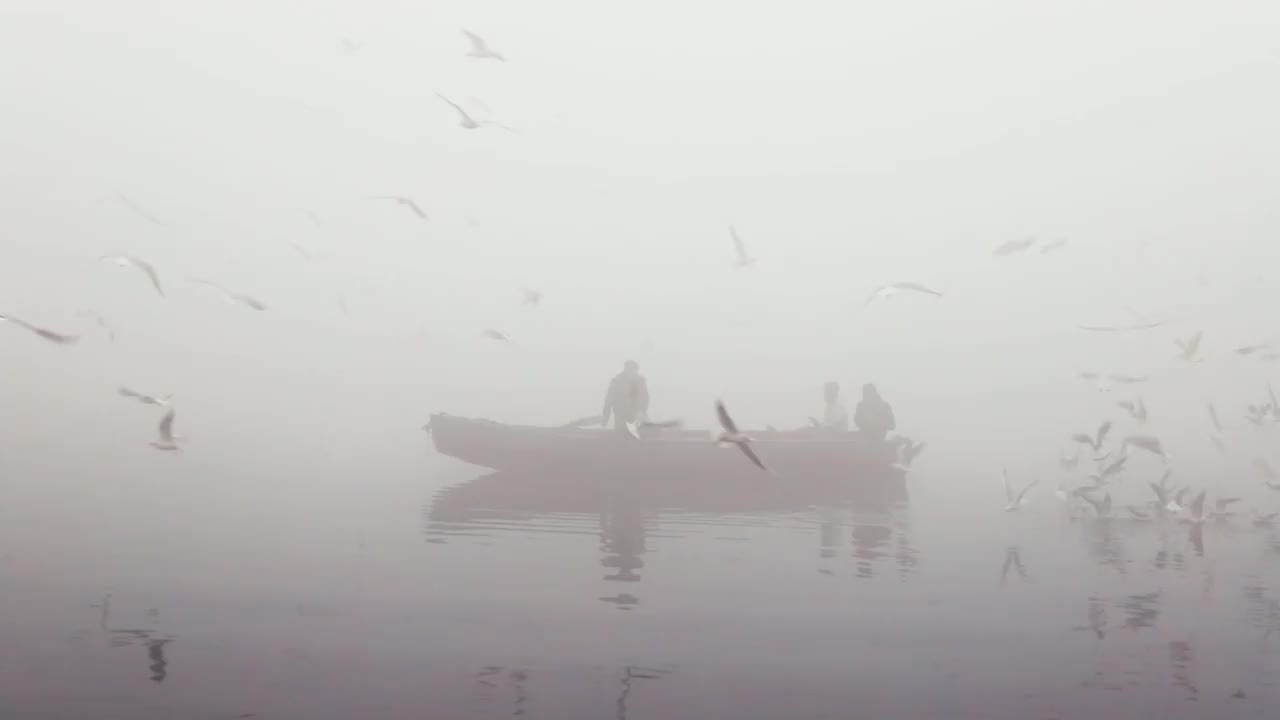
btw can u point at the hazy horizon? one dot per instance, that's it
(851, 145)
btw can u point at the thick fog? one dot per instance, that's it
(851, 145)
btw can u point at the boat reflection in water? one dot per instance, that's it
(626, 512)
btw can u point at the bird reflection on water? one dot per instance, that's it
(152, 640)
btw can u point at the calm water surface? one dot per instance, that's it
(442, 591)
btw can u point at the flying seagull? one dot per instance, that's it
(1147, 442)
(1251, 349)
(1213, 415)
(102, 322)
(532, 297)
(1100, 478)
(1128, 379)
(350, 45)
(744, 260)
(1121, 328)
(885, 292)
(404, 201)
(1070, 463)
(144, 398)
(137, 209)
(1258, 414)
(1164, 500)
(1096, 441)
(1097, 379)
(1188, 349)
(468, 122)
(1217, 443)
(480, 49)
(1137, 513)
(51, 336)
(142, 265)
(1013, 247)
(498, 335)
(732, 436)
(315, 219)
(1268, 520)
(1015, 501)
(167, 440)
(1101, 507)
(1052, 245)
(1137, 409)
(231, 297)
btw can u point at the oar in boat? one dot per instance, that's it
(661, 424)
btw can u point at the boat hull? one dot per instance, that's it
(669, 454)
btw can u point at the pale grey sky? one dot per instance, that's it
(851, 143)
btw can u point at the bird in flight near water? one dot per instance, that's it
(733, 436)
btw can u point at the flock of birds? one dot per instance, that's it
(165, 439)
(1169, 500)
(1109, 464)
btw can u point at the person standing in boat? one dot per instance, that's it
(834, 415)
(627, 399)
(873, 416)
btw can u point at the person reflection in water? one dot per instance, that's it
(159, 666)
(622, 539)
(627, 399)
(873, 416)
(834, 415)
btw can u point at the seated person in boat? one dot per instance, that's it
(627, 399)
(834, 415)
(873, 416)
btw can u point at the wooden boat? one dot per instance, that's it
(675, 455)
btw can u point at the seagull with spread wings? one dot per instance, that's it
(1189, 349)
(1096, 441)
(1013, 247)
(732, 436)
(1015, 500)
(403, 201)
(744, 259)
(1251, 349)
(144, 398)
(1149, 443)
(234, 298)
(167, 440)
(1052, 245)
(480, 49)
(1137, 409)
(466, 121)
(885, 292)
(51, 336)
(101, 321)
(143, 266)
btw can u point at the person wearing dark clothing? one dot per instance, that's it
(627, 399)
(834, 416)
(873, 417)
